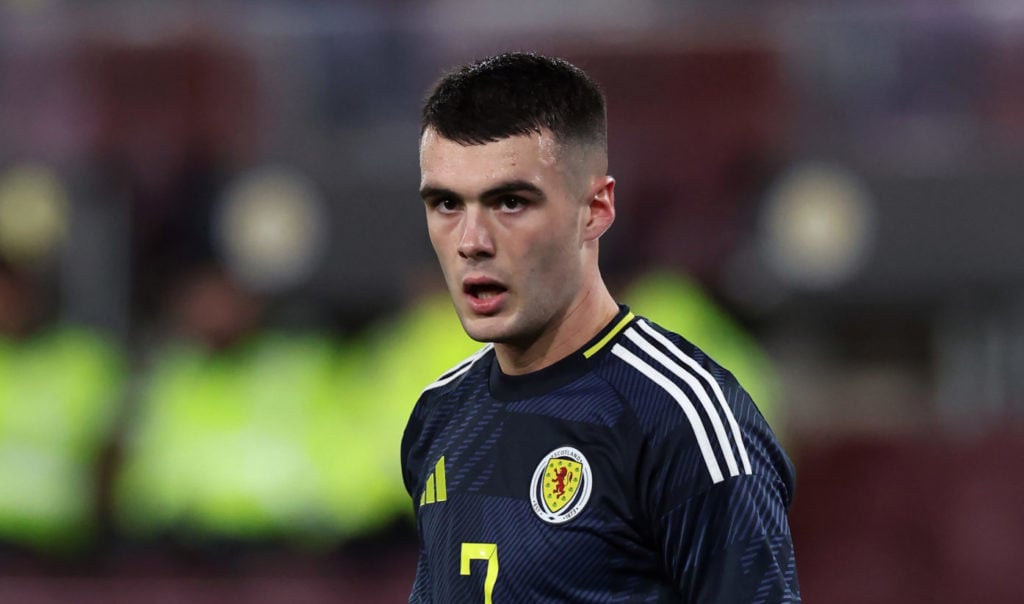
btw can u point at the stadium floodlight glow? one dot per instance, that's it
(818, 226)
(270, 228)
(34, 214)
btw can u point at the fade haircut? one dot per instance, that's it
(514, 94)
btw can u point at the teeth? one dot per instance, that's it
(485, 292)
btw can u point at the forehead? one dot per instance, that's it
(523, 157)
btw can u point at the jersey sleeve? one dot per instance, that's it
(420, 593)
(725, 540)
(713, 484)
(731, 543)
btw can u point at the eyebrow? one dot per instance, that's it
(515, 186)
(435, 192)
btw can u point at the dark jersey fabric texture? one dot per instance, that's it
(634, 470)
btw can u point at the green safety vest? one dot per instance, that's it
(224, 443)
(60, 392)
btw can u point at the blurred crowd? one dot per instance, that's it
(220, 430)
(227, 429)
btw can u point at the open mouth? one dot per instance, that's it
(483, 291)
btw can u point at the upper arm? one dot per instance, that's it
(731, 543)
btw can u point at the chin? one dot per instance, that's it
(485, 329)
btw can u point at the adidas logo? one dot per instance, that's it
(435, 491)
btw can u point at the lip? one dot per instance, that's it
(492, 303)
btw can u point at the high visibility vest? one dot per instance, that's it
(60, 393)
(222, 445)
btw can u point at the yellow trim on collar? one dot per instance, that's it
(608, 336)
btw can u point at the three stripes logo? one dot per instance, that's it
(436, 489)
(666, 365)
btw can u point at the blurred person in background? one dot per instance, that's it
(241, 426)
(585, 453)
(60, 393)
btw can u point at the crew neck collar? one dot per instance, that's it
(515, 387)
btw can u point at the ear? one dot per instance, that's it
(600, 209)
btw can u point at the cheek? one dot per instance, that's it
(435, 242)
(439, 237)
(554, 260)
(441, 251)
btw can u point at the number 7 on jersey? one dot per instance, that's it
(482, 551)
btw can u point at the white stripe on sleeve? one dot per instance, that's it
(675, 392)
(695, 366)
(702, 395)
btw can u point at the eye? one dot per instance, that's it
(445, 205)
(511, 203)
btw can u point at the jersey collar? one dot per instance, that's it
(515, 387)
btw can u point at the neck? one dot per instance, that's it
(567, 332)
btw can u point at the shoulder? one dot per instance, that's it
(659, 371)
(436, 392)
(687, 405)
(437, 400)
(451, 378)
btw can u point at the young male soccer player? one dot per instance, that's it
(584, 454)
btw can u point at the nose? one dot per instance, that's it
(476, 241)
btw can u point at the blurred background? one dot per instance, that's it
(218, 302)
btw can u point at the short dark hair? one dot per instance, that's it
(513, 94)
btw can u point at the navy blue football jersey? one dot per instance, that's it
(634, 470)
